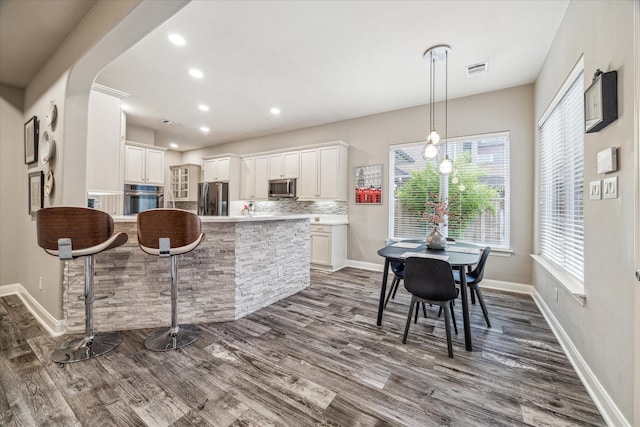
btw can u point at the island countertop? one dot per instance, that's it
(226, 219)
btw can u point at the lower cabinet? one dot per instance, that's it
(328, 246)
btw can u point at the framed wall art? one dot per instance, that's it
(31, 140)
(36, 192)
(368, 184)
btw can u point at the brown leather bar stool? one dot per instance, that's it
(169, 233)
(72, 232)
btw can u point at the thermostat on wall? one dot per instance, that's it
(608, 160)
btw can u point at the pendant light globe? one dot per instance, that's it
(446, 165)
(434, 137)
(430, 151)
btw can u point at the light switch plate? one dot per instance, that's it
(610, 187)
(594, 190)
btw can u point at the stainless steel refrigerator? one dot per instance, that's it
(213, 198)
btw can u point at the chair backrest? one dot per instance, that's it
(429, 278)
(85, 227)
(181, 227)
(478, 272)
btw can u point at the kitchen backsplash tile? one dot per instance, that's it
(187, 206)
(306, 207)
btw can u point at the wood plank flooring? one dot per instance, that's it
(315, 358)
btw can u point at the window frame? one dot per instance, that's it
(506, 246)
(568, 279)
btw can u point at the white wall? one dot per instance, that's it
(140, 134)
(35, 262)
(601, 330)
(21, 260)
(13, 197)
(369, 139)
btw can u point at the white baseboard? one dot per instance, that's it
(365, 265)
(519, 288)
(606, 405)
(54, 326)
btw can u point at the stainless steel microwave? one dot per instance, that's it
(282, 189)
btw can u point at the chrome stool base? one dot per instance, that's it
(82, 349)
(167, 339)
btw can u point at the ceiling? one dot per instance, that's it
(31, 31)
(317, 61)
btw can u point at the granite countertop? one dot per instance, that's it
(207, 219)
(313, 219)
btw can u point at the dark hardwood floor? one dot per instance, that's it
(315, 358)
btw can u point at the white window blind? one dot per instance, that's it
(561, 181)
(478, 191)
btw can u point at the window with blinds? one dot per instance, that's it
(561, 191)
(477, 191)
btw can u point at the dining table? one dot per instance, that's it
(460, 255)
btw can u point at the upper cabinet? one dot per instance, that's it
(323, 173)
(144, 164)
(225, 168)
(284, 165)
(255, 178)
(105, 138)
(221, 169)
(184, 182)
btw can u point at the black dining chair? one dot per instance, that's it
(397, 267)
(430, 281)
(474, 277)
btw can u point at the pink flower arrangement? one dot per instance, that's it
(437, 212)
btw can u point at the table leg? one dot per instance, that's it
(383, 290)
(465, 308)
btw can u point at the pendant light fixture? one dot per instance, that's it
(430, 151)
(446, 165)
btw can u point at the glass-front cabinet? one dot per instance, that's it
(184, 182)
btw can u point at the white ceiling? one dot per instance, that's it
(318, 61)
(31, 31)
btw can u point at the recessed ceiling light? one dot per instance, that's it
(203, 107)
(275, 111)
(125, 107)
(204, 129)
(177, 39)
(173, 145)
(196, 73)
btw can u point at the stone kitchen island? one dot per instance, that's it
(243, 264)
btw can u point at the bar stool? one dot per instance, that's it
(69, 233)
(169, 233)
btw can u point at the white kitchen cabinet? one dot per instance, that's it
(255, 178)
(328, 246)
(284, 165)
(219, 170)
(144, 164)
(184, 182)
(225, 168)
(323, 173)
(105, 138)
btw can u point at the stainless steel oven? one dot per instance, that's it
(139, 198)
